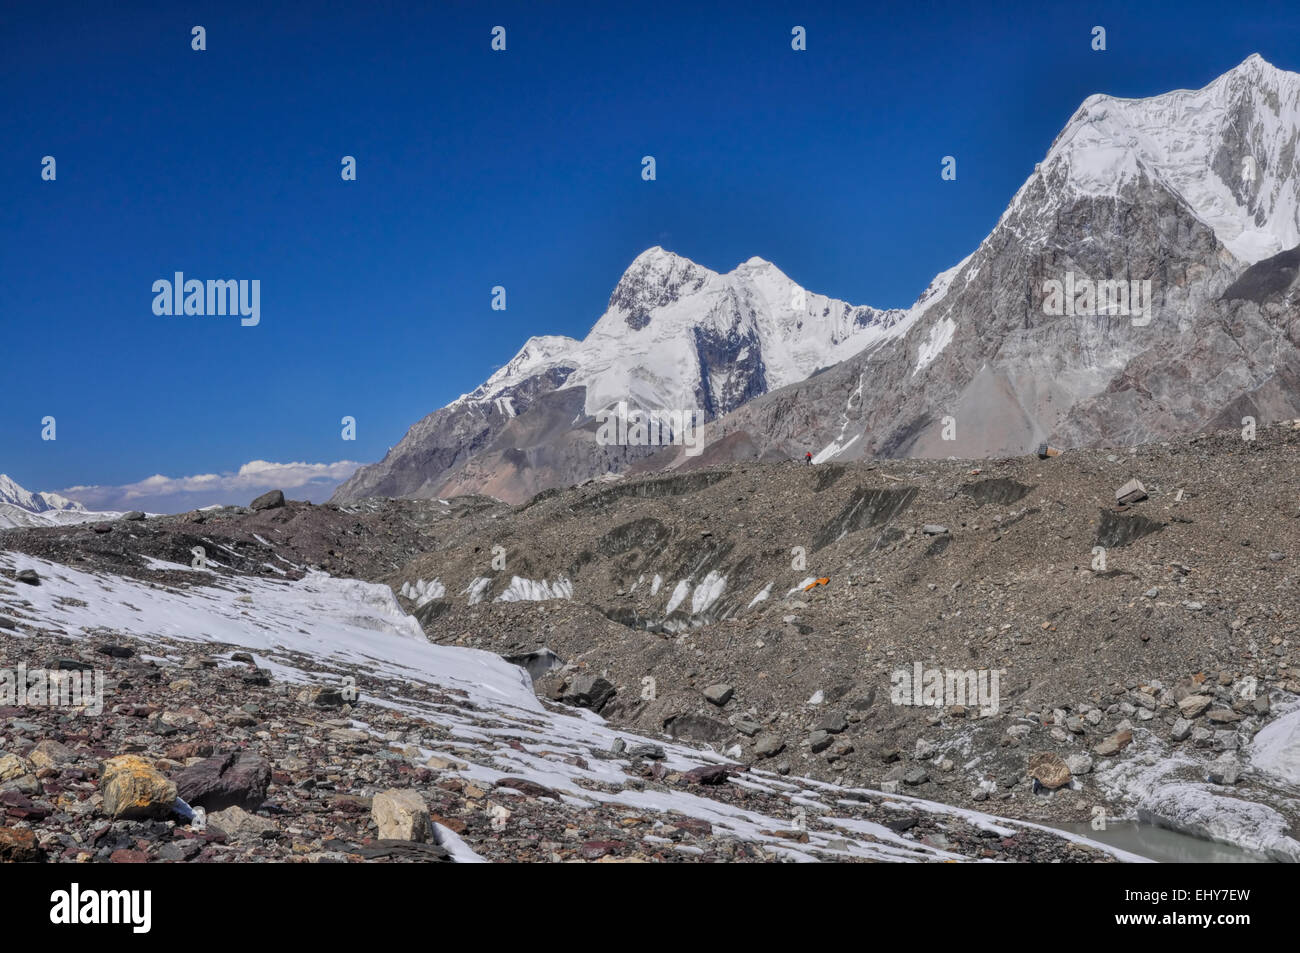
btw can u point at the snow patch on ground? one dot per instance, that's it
(762, 596)
(678, 596)
(1166, 788)
(940, 337)
(1275, 750)
(840, 444)
(803, 585)
(162, 565)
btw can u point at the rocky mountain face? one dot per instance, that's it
(1110, 305)
(675, 337)
(1185, 191)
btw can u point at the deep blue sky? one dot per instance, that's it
(478, 168)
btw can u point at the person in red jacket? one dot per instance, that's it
(807, 457)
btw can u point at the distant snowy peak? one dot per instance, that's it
(677, 335)
(15, 495)
(21, 507)
(1228, 150)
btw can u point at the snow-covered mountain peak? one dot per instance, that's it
(1229, 150)
(539, 354)
(778, 288)
(15, 495)
(11, 492)
(678, 335)
(655, 253)
(658, 265)
(770, 281)
(62, 503)
(1205, 179)
(1256, 69)
(21, 507)
(656, 278)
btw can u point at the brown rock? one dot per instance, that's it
(236, 779)
(128, 857)
(800, 836)
(453, 824)
(707, 774)
(237, 824)
(189, 749)
(1131, 492)
(524, 786)
(272, 499)
(596, 849)
(19, 847)
(1114, 744)
(49, 754)
(693, 825)
(1049, 770)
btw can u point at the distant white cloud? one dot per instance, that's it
(164, 494)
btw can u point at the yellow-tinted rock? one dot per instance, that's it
(401, 814)
(12, 766)
(51, 754)
(133, 788)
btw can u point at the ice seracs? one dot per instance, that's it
(533, 590)
(422, 593)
